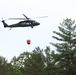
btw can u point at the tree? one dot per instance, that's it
(40, 62)
(50, 68)
(65, 56)
(17, 63)
(4, 69)
(37, 62)
(34, 65)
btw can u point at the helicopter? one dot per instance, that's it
(27, 22)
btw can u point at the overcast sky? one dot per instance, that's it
(13, 42)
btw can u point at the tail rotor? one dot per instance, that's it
(3, 21)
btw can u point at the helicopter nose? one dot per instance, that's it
(38, 23)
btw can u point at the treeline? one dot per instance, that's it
(61, 61)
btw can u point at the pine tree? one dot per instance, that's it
(65, 56)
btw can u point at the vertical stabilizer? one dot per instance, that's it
(5, 25)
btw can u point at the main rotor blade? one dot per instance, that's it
(25, 16)
(39, 17)
(16, 18)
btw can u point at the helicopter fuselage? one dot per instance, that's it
(26, 23)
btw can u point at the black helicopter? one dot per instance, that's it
(27, 22)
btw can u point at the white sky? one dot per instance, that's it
(13, 42)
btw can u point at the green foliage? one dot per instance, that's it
(50, 68)
(37, 62)
(65, 58)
